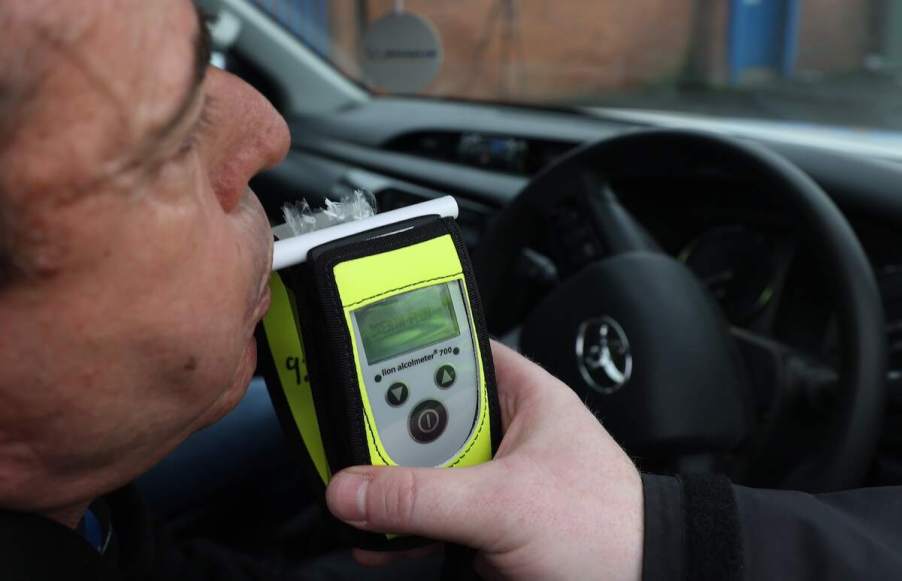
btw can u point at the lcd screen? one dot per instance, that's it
(407, 322)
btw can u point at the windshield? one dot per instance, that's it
(822, 62)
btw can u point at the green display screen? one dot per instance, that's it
(407, 322)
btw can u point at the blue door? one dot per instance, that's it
(762, 37)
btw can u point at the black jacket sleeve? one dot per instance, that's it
(703, 527)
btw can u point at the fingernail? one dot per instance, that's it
(347, 496)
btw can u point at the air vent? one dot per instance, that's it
(502, 153)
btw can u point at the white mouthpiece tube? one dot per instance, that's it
(294, 250)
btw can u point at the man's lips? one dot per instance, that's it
(264, 296)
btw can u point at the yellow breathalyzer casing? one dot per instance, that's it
(375, 351)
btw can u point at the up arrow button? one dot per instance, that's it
(445, 376)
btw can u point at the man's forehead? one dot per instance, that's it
(157, 69)
(117, 73)
(119, 42)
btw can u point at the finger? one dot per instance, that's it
(518, 375)
(437, 503)
(383, 558)
(520, 382)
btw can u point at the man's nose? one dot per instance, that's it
(250, 135)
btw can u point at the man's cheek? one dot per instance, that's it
(194, 356)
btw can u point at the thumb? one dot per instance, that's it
(447, 504)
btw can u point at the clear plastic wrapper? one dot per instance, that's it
(300, 218)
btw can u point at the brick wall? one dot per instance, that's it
(565, 49)
(568, 48)
(834, 35)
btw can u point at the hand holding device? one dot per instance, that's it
(560, 500)
(375, 349)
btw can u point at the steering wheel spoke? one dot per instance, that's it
(617, 229)
(783, 379)
(795, 396)
(590, 224)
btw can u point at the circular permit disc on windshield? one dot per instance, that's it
(401, 53)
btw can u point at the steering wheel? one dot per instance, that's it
(639, 338)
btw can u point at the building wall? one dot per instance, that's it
(834, 35)
(709, 43)
(561, 49)
(567, 49)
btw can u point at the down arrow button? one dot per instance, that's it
(396, 394)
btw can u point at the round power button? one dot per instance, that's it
(427, 421)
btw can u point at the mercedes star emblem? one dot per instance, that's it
(603, 354)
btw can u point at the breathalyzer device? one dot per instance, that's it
(375, 349)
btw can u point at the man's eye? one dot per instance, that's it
(188, 145)
(191, 141)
